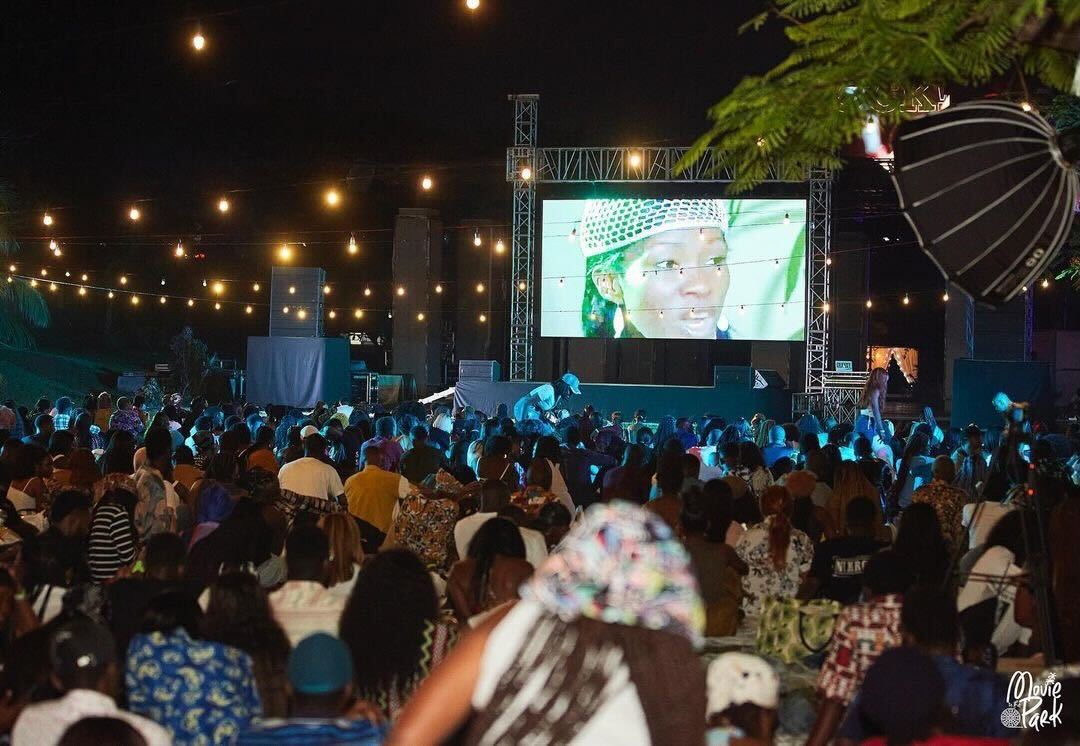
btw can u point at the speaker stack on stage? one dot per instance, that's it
(295, 365)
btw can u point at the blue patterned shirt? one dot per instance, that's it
(201, 692)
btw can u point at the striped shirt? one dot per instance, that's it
(112, 543)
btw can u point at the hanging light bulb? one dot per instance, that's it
(217, 306)
(301, 314)
(255, 287)
(907, 300)
(828, 261)
(472, 4)
(358, 313)
(44, 272)
(285, 309)
(162, 300)
(46, 220)
(420, 316)
(499, 247)
(285, 253)
(400, 290)
(522, 286)
(869, 303)
(352, 247)
(123, 279)
(635, 159)
(479, 287)
(483, 318)
(162, 282)
(53, 246)
(52, 286)
(1026, 106)
(526, 173)
(945, 296)
(332, 197)
(562, 281)
(476, 241)
(826, 307)
(438, 288)
(389, 314)
(1046, 282)
(57, 252)
(742, 310)
(223, 205)
(179, 252)
(247, 309)
(134, 214)
(67, 274)
(134, 300)
(426, 183)
(1023, 288)
(326, 290)
(332, 314)
(190, 302)
(661, 314)
(782, 307)
(82, 291)
(11, 268)
(198, 41)
(218, 288)
(110, 294)
(367, 291)
(85, 277)
(292, 290)
(33, 283)
(776, 263)
(204, 282)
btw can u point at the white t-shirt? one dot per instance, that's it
(989, 580)
(312, 478)
(44, 723)
(984, 515)
(620, 720)
(464, 530)
(303, 607)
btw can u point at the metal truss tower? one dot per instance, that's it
(528, 165)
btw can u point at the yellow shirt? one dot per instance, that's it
(373, 494)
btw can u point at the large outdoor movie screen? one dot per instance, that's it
(673, 268)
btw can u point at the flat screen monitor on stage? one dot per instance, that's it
(674, 268)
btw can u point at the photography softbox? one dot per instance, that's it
(988, 192)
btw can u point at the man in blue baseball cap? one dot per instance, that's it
(322, 709)
(536, 404)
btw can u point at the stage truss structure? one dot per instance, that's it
(528, 165)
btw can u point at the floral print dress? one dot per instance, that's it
(764, 580)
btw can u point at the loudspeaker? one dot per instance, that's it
(738, 375)
(300, 291)
(479, 370)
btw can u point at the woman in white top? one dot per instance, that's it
(779, 555)
(872, 401)
(600, 649)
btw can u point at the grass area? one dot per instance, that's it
(26, 375)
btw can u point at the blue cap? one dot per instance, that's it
(572, 381)
(320, 664)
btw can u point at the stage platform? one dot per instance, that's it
(726, 399)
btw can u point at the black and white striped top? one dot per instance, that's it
(112, 543)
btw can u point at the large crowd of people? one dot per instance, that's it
(236, 573)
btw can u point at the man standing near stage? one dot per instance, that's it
(544, 398)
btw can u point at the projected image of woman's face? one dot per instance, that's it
(676, 285)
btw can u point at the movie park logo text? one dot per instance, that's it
(1032, 705)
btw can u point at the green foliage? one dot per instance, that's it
(22, 308)
(854, 58)
(191, 358)
(154, 395)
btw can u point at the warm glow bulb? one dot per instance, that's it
(479, 287)
(332, 314)
(301, 314)
(426, 183)
(218, 287)
(438, 288)
(198, 41)
(1025, 106)
(247, 309)
(353, 248)
(1046, 282)
(82, 291)
(190, 302)
(500, 247)
(162, 300)
(945, 296)
(332, 197)
(111, 294)
(292, 289)
(44, 272)
(526, 173)
(358, 314)
(285, 309)
(635, 160)
(285, 252)
(123, 279)
(476, 239)
(33, 283)
(46, 220)
(255, 287)
(53, 246)
(52, 286)
(134, 214)
(367, 291)
(217, 306)
(420, 316)
(869, 303)
(483, 318)
(11, 268)
(223, 205)
(400, 290)
(522, 286)
(85, 277)
(472, 4)
(326, 290)
(179, 251)
(825, 306)
(907, 300)
(134, 300)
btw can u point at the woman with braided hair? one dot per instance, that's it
(600, 648)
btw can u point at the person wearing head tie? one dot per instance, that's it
(655, 268)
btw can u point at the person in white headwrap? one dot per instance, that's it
(654, 268)
(743, 695)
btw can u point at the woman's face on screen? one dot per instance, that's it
(684, 272)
